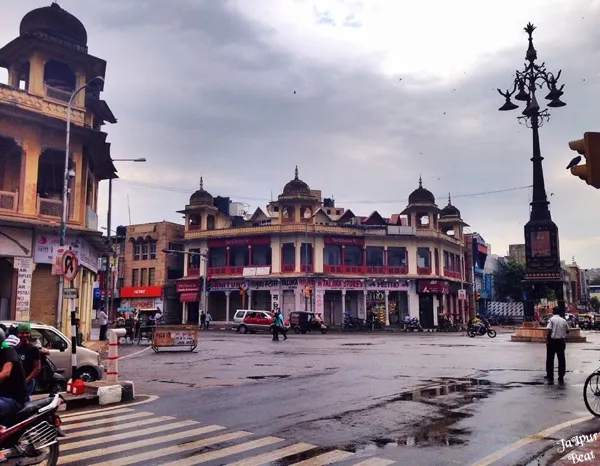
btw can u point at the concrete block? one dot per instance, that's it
(109, 395)
(127, 392)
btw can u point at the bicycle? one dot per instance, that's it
(592, 382)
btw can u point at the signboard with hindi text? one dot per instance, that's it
(179, 337)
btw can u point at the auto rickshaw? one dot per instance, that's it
(144, 325)
(586, 321)
(304, 322)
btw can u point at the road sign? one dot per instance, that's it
(70, 293)
(70, 265)
(462, 295)
(97, 293)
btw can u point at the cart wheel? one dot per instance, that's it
(296, 329)
(323, 331)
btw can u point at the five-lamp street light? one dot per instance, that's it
(541, 233)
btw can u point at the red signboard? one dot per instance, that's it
(434, 286)
(187, 286)
(344, 240)
(231, 242)
(540, 244)
(141, 292)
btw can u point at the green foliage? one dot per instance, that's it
(595, 281)
(595, 303)
(508, 280)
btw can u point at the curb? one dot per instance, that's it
(98, 394)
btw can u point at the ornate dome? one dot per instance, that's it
(421, 195)
(296, 187)
(201, 197)
(449, 210)
(56, 22)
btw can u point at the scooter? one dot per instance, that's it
(49, 380)
(413, 325)
(31, 436)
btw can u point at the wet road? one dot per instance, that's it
(360, 392)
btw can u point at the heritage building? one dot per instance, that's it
(293, 255)
(46, 64)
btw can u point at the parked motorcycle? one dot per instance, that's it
(473, 332)
(413, 325)
(31, 436)
(352, 323)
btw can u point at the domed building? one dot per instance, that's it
(422, 211)
(201, 212)
(47, 62)
(296, 203)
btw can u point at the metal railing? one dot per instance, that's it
(49, 207)
(9, 201)
(57, 94)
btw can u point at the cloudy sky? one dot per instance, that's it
(364, 96)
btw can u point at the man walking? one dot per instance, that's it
(558, 328)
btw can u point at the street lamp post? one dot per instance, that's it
(108, 277)
(68, 174)
(542, 267)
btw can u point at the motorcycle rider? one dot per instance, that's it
(12, 380)
(29, 355)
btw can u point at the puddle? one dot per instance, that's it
(297, 458)
(523, 384)
(357, 344)
(262, 377)
(264, 365)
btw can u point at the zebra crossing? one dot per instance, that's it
(123, 436)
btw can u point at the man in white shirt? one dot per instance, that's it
(558, 328)
(103, 321)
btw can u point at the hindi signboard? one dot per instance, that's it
(182, 337)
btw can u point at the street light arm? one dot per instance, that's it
(81, 88)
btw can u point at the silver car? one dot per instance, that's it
(89, 368)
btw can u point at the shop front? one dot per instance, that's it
(387, 299)
(189, 295)
(431, 301)
(454, 305)
(142, 298)
(335, 297)
(226, 297)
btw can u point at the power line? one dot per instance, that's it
(366, 201)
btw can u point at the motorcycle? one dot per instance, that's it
(473, 332)
(413, 325)
(49, 380)
(352, 323)
(31, 436)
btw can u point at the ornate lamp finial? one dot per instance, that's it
(296, 173)
(201, 183)
(420, 182)
(531, 52)
(449, 199)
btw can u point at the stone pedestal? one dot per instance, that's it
(540, 335)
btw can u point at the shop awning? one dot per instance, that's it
(189, 297)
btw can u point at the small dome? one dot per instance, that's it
(421, 195)
(449, 210)
(201, 197)
(296, 187)
(55, 22)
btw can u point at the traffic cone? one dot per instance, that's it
(70, 386)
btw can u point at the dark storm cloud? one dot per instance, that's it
(200, 89)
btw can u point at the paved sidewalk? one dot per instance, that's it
(587, 452)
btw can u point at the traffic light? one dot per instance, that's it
(208, 284)
(307, 291)
(241, 291)
(589, 147)
(477, 296)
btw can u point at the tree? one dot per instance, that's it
(595, 303)
(508, 280)
(595, 281)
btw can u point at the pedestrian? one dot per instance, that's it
(30, 358)
(275, 327)
(103, 320)
(558, 329)
(202, 320)
(12, 380)
(208, 319)
(280, 324)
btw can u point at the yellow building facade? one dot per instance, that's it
(292, 255)
(46, 63)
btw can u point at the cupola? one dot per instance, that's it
(201, 196)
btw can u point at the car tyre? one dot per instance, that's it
(87, 374)
(243, 329)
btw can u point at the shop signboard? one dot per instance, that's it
(233, 242)
(390, 285)
(256, 271)
(344, 240)
(141, 291)
(16, 242)
(337, 284)
(227, 285)
(24, 266)
(434, 286)
(45, 245)
(263, 284)
(187, 286)
(180, 337)
(142, 303)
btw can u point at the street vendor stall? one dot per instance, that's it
(179, 337)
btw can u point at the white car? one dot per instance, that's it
(89, 368)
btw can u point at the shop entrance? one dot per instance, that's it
(426, 310)
(6, 287)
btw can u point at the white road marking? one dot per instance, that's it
(148, 442)
(527, 440)
(274, 455)
(115, 427)
(138, 433)
(223, 452)
(94, 414)
(71, 424)
(375, 462)
(181, 448)
(78, 414)
(326, 458)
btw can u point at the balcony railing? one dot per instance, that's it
(451, 273)
(49, 207)
(307, 268)
(194, 227)
(9, 201)
(47, 105)
(217, 271)
(353, 269)
(287, 268)
(423, 270)
(194, 271)
(57, 94)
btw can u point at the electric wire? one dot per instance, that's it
(365, 201)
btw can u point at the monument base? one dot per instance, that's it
(540, 335)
